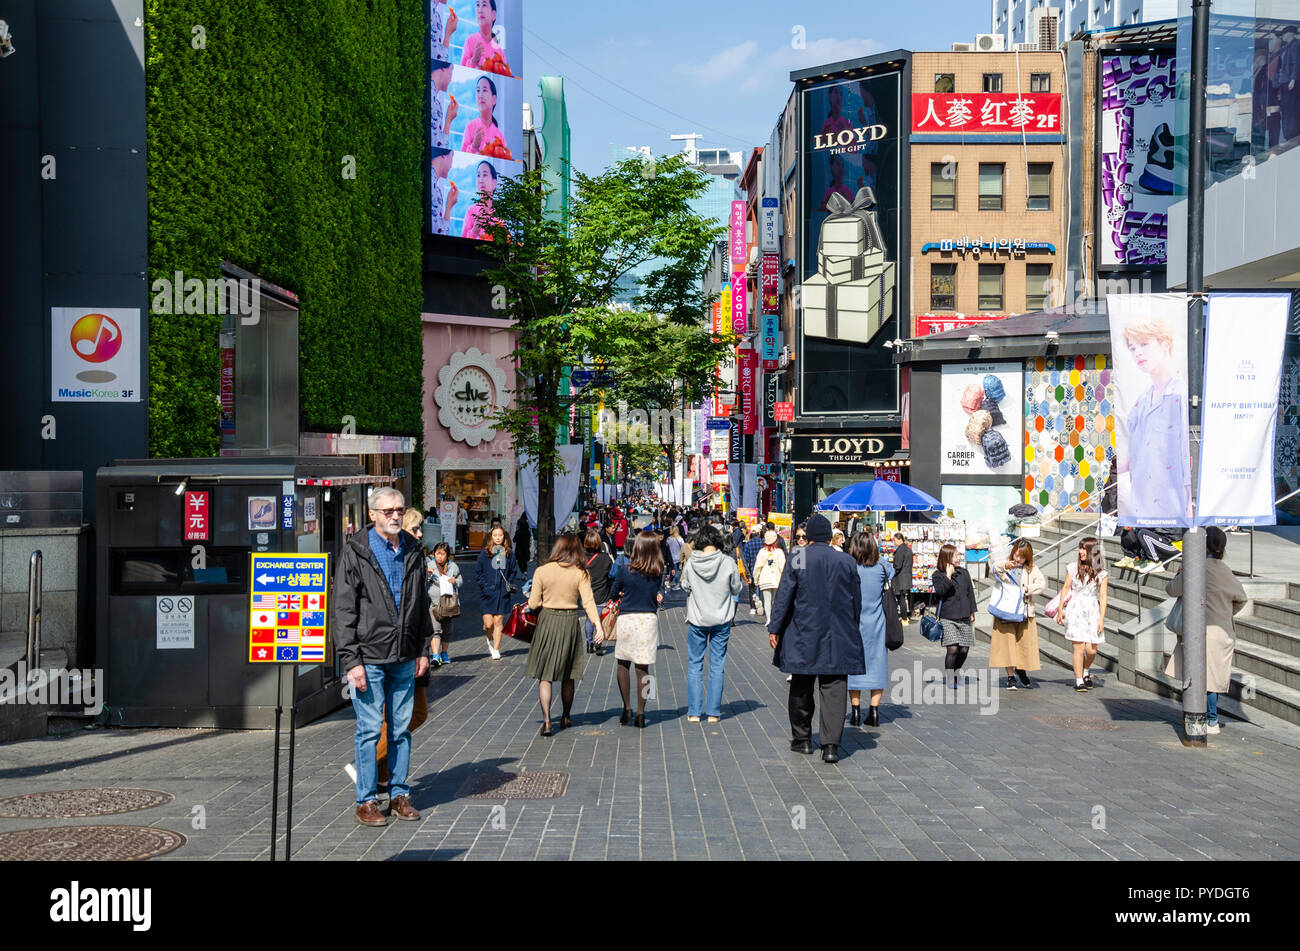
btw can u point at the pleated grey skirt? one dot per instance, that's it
(559, 647)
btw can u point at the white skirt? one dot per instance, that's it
(637, 638)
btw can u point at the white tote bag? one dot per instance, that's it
(1008, 602)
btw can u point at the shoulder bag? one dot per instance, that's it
(893, 623)
(931, 627)
(521, 623)
(1008, 601)
(446, 606)
(609, 618)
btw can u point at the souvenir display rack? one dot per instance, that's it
(925, 539)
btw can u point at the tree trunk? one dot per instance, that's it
(546, 463)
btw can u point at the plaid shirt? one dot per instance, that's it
(750, 551)
(390, 563)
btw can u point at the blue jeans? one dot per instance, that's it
(587, 627)
(1211, 708)
(391, 686)
(697, 640)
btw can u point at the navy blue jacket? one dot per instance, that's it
(815, 613)
(637, 591)
(492, 594)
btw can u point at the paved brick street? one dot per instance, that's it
(933, 782)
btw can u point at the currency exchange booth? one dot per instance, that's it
(174, 542)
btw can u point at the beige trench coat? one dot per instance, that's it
(1224, 597)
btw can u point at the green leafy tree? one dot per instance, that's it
(559, 286)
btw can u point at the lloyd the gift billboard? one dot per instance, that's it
(853, 130)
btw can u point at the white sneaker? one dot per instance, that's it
(496, 654)
(1213, 728)
(789, 677)
(352, 772)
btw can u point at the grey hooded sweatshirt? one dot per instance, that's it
(711, 581)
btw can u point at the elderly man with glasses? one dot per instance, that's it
(382, 630)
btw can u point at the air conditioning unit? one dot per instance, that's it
(1025, 47)
(963, 47)
(990, 42)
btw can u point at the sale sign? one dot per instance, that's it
(737, 229)
(771, 273)
(748, 364)
(196, 516)
(739, 322)
(986, 112)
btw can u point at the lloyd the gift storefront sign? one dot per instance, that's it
(842, 449)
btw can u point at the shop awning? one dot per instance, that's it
(1025, 335)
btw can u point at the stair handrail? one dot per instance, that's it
(35, 572)
(1276, 502)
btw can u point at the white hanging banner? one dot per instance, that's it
(566, 485)
(1148, 339)
(1245, 335)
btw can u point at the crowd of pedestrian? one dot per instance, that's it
(832, 606)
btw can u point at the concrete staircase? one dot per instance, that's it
(1266, 663)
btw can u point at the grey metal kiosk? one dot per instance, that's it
(172, 613)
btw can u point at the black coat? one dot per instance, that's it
(957, 594)
(815, 613)
(902, 568)
(368, 627)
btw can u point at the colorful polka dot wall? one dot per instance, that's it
(1069, 430)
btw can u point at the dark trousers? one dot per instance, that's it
(832, 697)
(904, 603)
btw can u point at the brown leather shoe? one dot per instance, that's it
(368, 814)
(402, 808)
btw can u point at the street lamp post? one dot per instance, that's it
(1194, 720)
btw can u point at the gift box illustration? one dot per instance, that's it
(852, 294)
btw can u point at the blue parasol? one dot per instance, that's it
(879, 495)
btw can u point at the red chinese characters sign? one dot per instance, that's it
(986, 112)
(196, 516)
(771, 281)
(783, 412)
(927, 324)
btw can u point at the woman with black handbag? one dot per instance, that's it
(874, 576)
(956, 591)
(498, 578)
(556, 652)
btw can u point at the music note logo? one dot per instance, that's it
(96, 338)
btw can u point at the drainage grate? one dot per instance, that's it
(1078, 723)
(79, 803)
(495, 785)
(87, 844)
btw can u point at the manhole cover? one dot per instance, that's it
(514, 786)
(79, 803)
(87, 844)
(1078, 723)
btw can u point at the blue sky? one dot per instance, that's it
(720, 69)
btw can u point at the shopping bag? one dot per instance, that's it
(1008, 601)
(521, 623)
(608, 619)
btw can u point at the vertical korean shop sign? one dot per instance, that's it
(771, 283)
(737, 235)
(196, 516)
(739, 304)
(287, 610)
(768, 240)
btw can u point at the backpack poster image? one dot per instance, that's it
(982, 419)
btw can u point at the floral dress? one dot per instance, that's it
(1083, 610)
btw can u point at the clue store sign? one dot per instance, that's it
(843, 449)
(94, 355)
(987, 112)
(469, 391)
(288, 607)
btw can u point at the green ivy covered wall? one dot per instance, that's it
(258, 111)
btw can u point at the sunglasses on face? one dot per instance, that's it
(391, 513)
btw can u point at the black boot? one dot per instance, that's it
(873, 716)
(591, 648)
(830, 753)
(855, 715)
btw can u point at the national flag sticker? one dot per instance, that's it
(311, 653)
(261, 653)
(286, 634)
(286, 619)
(315, 619)
(263, 635)
(286, 653)
(263, 619)
(314, 602)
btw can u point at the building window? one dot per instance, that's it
(1037, 280)
(992, 82)
(943, 188)
(1040, 187)
(991, 287)
(990, 187)
(1040, 82)
(943, 286)
(944, 82)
